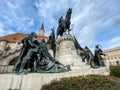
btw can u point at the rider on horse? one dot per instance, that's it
(64, 25)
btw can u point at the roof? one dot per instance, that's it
(112, 49)
(42, 27)
(17, 37)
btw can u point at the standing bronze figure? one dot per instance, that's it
(29, 50)
(34, 57)
(98, 58)
(88, 55)
(51, 41)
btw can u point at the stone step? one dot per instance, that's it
(28, 82)
(6, 68)
(100, 71)
(80, 67)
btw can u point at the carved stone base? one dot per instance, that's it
(66, 53)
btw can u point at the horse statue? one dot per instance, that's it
(67, 20)
(64, 24)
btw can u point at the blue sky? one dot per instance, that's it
(93, 21)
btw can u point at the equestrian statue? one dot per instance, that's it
(64, 24)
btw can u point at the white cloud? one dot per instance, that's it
(13, 5)
(13, 16)
(90, 18)
(26, 26)
(50, 11)
(4, 31)
(114, 42)
(116, 21)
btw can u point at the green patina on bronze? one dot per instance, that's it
(35, 56)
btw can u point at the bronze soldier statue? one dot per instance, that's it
(88, 55)
(98, 58)
(35, 55)
(29, 49)
(51, 41)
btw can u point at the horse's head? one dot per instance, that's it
(69, 10)
(68, 14)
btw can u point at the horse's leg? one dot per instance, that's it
(65, 31)
(57, 36)
(68, 32)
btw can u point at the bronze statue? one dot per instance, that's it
(51, 41)
(29, 50)
(47, 64)
(67, 20)
(98, 58)
(64, 24)
(35, 56)
(61, 26)
(76, 43)
(88, 56)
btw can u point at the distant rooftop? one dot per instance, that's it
(17, 37)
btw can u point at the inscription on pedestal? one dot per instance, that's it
(66, 52)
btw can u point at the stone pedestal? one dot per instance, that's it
(35, 81)
(66, 53)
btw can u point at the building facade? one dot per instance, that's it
(10, 46)
(112, 56)
(13, 40)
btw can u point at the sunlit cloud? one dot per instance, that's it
(92, 22)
